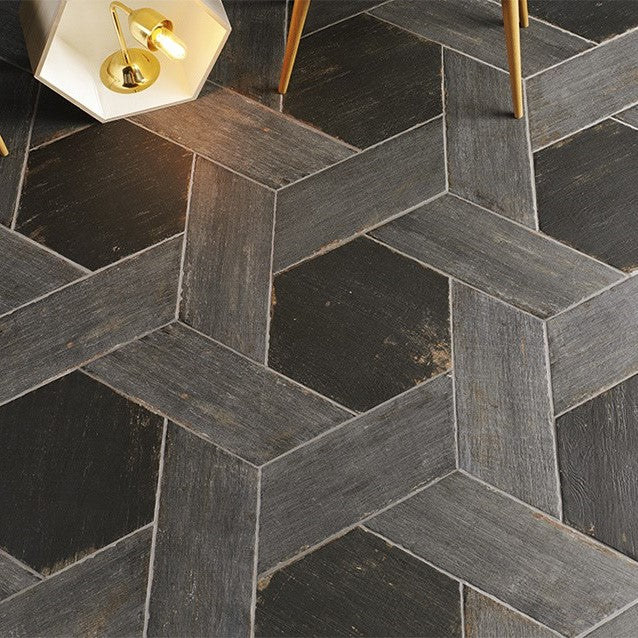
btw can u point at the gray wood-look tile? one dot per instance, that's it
(12, 46)
(246, 136)
(531, 562)
(599, 83)
(355, 470)
(101, 596)
(485, 618)
(630, 116)
(13, 577)
(71, 326)
(203, 570)
(475, 27)
(325, 12)
(250, 61)
(592, 346)
(497, 256)
(344, 200)
(226, 289)
(225, 398)
(488, 153)
(504, 411)
(17, 101)
(29, 271)
(623, 626)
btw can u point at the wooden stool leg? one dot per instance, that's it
(297, 20)
(522, 9)
(4, 151)
(513, 42)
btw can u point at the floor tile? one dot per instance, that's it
(360, 324)
(592, 19)
(323, 13)
(596, 449)
(363, 80)
(358, 585)
(12, 46)
(630, 116)
(71, 184)
(622, 626)
(83, 476)
(587, 192)
(14, 577)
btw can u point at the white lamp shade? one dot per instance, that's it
(68, 40)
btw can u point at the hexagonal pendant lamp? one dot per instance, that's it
(69, 40)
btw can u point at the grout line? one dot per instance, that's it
(457, 447)
(63, 136)
(462, 599)
(332, 24)
(151, 562)
(530, 157)
(444, 124)
(270, 283)
(21, 565)
(255, 579)
(606, 619)
(627, 124)
(458, 579)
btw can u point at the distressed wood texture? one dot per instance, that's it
(17, 101)
(12, 47)
(487, 149)
(250, 61)
(233, 402)
(497, 256)
(203, 572)
(77, 323)
(592, 346)
(349, 198)
(358, 585)
(630, 116)
(485, 618)
(14, 577)
(226, 290)
(529, 561)
(475, 27)
(247, 137)
(359, 468)
(599, 83)
(29, 271)
(101, 596)
(623, 626)
(504, 411)
(597, 444)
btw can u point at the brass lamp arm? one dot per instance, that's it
(118, 27)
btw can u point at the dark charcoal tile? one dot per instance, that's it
(587, 194)
(323, 13)
(14, 577)
(105, 193)
(597, 444)
(12, 46)
(363, 80)
(79, 466)
(360, 324)
(358, 585)
(593, 19)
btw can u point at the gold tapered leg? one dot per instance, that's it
(513, 43)
(297, 20)
(4, 151)
(522, 9)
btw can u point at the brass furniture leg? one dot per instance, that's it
(4, 151)
(513, 43)
(522, 9)
(297, 20)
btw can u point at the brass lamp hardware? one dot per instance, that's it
(4, 151)
(133, 70)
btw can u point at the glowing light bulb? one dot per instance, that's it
(168, 43)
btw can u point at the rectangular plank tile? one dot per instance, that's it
(362, 192)
(488, 154)
(71, 326)
(19, 91)
(12, 46)
(623, 626)
(504, 410)
(535, 564)
(226, 289)
(101, 596)
(630, 116)
(225, 398)
(592, 346)
(246, 136)
(29, 271)
(322, 14)
(357, 469)
(203, 572)
(501, 258)
(584, 90)
(475, 27)
(13, 576)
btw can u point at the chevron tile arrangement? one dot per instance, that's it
(361, 361)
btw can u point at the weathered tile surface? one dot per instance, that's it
(630, 116)
(223, 397)
(358, 585)
(336, 84)
(496, 256)
(325, 12)
(488, 152)
(623, 626)
(12, 47)
(359, 193)
(533, 563)
(203, 574)
(246, 136)
(226, 289)
(102, 596)
(360, 324)
(586, 188)
(386, 454)
(13, 577)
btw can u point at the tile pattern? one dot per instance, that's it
(138, 365)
